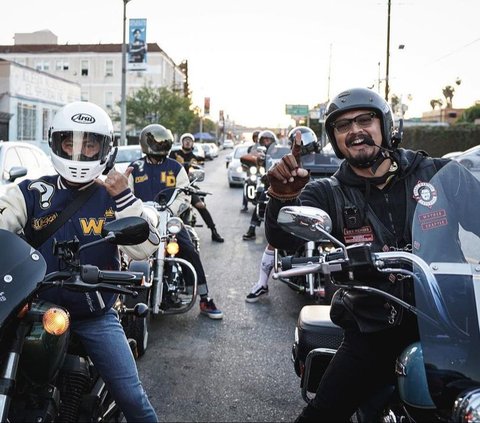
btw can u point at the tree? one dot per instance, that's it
(436, 102)
(159, 105)
(448, 92)
(470, 114)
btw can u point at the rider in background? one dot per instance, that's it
(156, 172)
(187, 158)
(265, 139)
(260, 288)
(255, 133)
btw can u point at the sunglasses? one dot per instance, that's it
(363, 121)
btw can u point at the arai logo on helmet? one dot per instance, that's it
(83, 118)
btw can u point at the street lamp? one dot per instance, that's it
(387, 88)
(123, 105)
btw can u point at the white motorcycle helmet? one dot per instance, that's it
(81, 140)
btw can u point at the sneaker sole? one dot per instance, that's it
(212, 316)
(254, 300)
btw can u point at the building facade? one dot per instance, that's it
(96, 68)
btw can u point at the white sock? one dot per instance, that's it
(266, 267)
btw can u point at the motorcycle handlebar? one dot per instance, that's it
(93, 275)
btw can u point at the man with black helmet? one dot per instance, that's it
(370, 199)
(155, 172)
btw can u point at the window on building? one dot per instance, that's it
(42, 65)
(65, 65)
(85, 96)
(26, 122)
(59, 65)
(109, 99)
(84, 67)
(108, 67)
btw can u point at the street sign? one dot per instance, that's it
(296, 109)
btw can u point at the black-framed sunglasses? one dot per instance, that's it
(363, 121)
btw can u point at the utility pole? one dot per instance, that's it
(387, 88)
(123, 104)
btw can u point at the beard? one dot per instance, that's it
(364, 158)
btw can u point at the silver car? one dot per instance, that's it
(236, 175)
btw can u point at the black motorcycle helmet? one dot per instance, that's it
(361, 98)
(309, 139)
(267, 138)
(156, 140)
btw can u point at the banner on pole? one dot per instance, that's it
(137, 45)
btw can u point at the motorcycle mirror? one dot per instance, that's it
(309, 223)
(130, 230)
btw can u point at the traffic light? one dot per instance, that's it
(206, 106)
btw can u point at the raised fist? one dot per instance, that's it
(287, 178)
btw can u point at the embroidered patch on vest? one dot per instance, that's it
(425, 194)
(363, 234)
(433, 219)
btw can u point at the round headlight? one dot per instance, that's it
(174, 225)
(253, 170)
(261, 170)
(239, 169)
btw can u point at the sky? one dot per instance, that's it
(253, 57)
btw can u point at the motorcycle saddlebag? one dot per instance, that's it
(317, 340)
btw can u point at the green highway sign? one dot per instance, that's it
(296, 109)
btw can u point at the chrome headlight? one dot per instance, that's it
(467, 407)
(174, 225)
(253, 170)
(253, 178)
(261, 170)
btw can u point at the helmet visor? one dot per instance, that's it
(81, 146)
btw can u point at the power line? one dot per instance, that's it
(454, 51)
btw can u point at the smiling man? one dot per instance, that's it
(371, 198)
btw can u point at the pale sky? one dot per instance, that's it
(252, 57)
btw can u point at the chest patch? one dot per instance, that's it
(425, 194)
(433, 219)
(363, 234)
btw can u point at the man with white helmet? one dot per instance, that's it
(187, 158)
(81, 140)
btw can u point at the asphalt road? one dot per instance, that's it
(237, 369)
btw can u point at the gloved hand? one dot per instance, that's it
(287, 178)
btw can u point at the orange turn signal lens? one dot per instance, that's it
(173, 248)
(56, 321)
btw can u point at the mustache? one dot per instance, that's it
(365, 140)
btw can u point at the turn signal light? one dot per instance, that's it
(173, 248)
(56, 321)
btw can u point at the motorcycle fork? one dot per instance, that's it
(157, 290)
(309, 247)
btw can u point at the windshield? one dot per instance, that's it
(240, 151)
(20, 271)
(444, 235)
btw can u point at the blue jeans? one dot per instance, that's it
(104, 341)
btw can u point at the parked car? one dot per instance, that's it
(21, 160)
(127, 154)
(228, 143)
(236, 175)
(469, 158)
(211, 150)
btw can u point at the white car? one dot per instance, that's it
(127, 154)
(22, 160)
(235, 173)
(228, 143)
(197, 149)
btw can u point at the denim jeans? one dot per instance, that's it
(104, 340)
